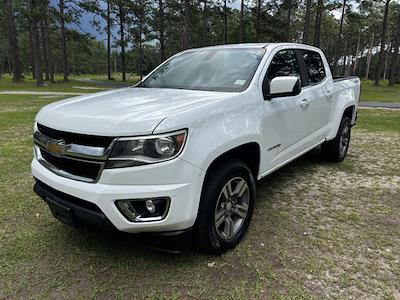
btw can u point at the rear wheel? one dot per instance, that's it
(335, 150)
(226, 207)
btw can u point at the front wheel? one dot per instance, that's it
(226, 207)
(335, 150)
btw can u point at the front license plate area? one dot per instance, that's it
(62, 213)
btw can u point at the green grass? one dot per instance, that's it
(73, 85)
(28, 84)
(319, 230)
(379, 120)
(117, 77)
(381, 93)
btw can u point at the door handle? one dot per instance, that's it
(304, 103)
(329, 94)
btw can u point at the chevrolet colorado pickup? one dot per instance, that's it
(178, 155)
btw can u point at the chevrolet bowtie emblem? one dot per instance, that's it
(57, 147)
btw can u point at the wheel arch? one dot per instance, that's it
(248, 153)
(350, 111)
(240, 155)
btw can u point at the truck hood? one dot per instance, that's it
(123, 112)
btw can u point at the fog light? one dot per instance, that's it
(144, 210)
(151, 208)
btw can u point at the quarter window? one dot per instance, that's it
(314, 66)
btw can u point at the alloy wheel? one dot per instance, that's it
(232, 208)
(344, 139)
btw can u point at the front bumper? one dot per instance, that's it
(85, 213)
(176, 179)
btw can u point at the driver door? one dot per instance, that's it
(285, 118)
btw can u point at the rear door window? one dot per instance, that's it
(314, 66)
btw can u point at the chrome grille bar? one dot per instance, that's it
(73, 150)
(63, 173)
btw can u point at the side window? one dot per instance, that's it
(284, 63)
(314, 66)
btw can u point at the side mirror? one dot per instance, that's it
(284, 86)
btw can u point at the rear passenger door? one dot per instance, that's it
(318, 95)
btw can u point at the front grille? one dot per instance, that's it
(86, 168)
(75, 167)
(76, 138)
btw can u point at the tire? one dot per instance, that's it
(224, 217)
(335, 150)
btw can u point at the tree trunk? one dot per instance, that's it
(1, 65)
(356, 56)
(13, 41)
(161, 30)
(45, 49)
(205, 23)
(49, 54)
(122, 40)
(395, 66)
(33, 22)
(258, 13)
(225, 22)
(9, 64)
(318, 23)
(31, 54)
(289, 17)
(109, 77)
(369, 57)
(306, 29)
(385, 68)
(383, 39)
(63, 40)
(241, 21)
(141, 21)
(335, 56)
(344, 59)
(395, 61)
(186, 25)
(140, 58)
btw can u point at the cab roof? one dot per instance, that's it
(253, 46)
(244, 45)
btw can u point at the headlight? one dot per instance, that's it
(136, 151)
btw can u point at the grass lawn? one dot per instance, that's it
(381, 93)
(117, 77)
(73, 85)
(319, 230)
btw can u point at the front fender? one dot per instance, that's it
(218, 127)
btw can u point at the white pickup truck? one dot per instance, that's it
(176, 157)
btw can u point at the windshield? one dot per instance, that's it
(228, 70)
